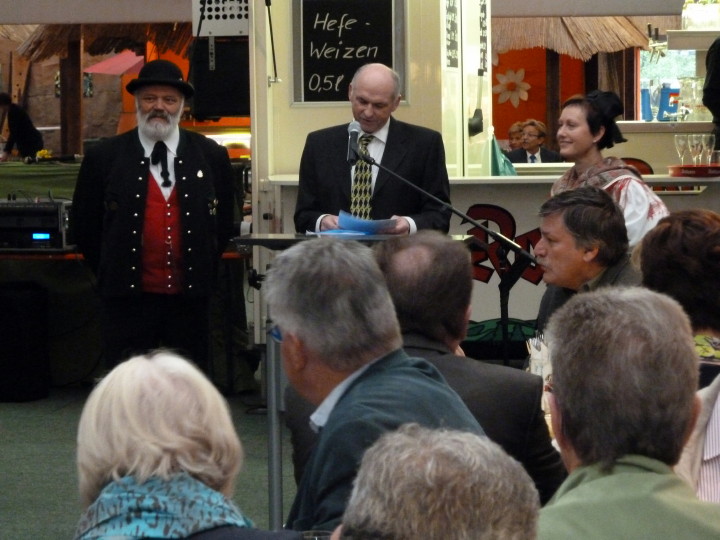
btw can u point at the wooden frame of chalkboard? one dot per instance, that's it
(333, 38)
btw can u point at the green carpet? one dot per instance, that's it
(38, 487)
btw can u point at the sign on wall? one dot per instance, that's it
(333, 39)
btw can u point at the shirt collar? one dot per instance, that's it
(593, 283)
(319, 418)
(382, 133)
(171, 142)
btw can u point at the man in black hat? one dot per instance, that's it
(152, 213)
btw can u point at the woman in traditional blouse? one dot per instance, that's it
(585, 128)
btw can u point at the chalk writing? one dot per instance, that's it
(338, 38)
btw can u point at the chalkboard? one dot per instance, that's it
(333, 38)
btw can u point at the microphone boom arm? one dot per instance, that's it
(500, 238)
(508, 276)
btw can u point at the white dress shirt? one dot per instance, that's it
(155, 169)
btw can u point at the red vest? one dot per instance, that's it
(161, 249)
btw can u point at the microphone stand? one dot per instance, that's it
(509, 272)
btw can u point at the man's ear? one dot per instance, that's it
(567, 453)
(555, 419)
(590, 254)
(293, 353)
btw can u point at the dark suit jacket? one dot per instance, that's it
(109, 205)
(519, 155)
(393, 391)
(413, 152)
(506, 403)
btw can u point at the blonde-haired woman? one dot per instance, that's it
(157, 455)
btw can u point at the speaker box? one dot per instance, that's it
(221, 77)
(24, 359)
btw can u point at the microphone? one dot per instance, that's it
(353, 134)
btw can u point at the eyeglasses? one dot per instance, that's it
(531, 135)
(275, 333)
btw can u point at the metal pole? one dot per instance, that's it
(272, 359)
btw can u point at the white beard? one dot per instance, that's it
(157, 130)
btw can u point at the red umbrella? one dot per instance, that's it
(124, 62)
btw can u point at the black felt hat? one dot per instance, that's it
(160, 72)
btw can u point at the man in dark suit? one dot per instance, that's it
(532, 150)
(341, 349)
(413, 152)
(429, 277)
(152, 212)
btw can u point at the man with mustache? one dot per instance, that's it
(152, 213)
(583, 247)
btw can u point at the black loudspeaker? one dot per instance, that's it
(24, 359)
(220, 75)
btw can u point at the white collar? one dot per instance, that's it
(382, 133)
(171, 142)
(319, 418)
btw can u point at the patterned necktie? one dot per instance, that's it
(362, 184)
(159, 155)
(532, 158)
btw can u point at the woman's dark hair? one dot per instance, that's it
(601, 109)
(680, 257)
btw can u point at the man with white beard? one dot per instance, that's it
(152, 213)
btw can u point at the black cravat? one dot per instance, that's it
(159, 155)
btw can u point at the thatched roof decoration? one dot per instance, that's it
(579, 37)
(16, 32)
(52, 39)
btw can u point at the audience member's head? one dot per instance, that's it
(533, 135)
(624, 377)
(681, 258)
(515, 134)
(429, 276)
(583, 232)
(154, 416)
(439, 484)
(330, 304)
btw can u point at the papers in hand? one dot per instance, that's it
(353, 226)
(348, 222)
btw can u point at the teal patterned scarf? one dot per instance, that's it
(174, 508)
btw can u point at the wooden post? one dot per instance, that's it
(71, 109)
